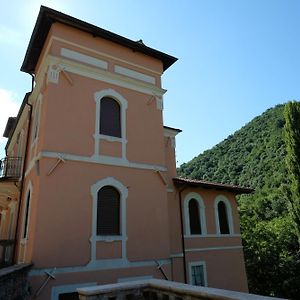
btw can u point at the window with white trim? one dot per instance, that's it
(26, 215)
(194, 215)
(197, 273)
(223, 215)
(110, 117)
(36, 119)
(108, 211)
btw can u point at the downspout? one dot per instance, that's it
(23, 171)
(182, 233)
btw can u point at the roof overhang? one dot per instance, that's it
(170, 131)
(48, 16)
(179, 181)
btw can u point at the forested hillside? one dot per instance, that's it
(255, 156)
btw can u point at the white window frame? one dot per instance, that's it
(227, 203)
(109, 181)
(98, 96)
(195, 264)
(201, 206)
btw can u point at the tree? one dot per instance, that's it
(292, 140)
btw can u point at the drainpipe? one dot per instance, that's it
(23, 171)
(182, 232)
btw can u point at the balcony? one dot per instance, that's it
(6, 252)
(155, 289)
(10, 167)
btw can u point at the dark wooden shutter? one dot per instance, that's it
(223, 218)
(110, 119)
(195, 224)
(108, 211)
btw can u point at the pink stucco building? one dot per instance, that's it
(88, 190)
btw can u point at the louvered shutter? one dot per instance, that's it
(110, 119)
(108, 211)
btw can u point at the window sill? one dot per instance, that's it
(217, 235)
(108, 238)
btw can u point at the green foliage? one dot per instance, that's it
(255, 156)
(292, 139)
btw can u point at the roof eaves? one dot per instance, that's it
(48, 16)
(212, 185)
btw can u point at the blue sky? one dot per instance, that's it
(236, 58)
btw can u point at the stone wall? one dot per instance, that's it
(13, 282)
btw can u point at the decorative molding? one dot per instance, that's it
(219, 235)
(176, 255)
(53, 74)
(98, 53)
(101, 265)
(218, 199)
(159, 103)
(213, 248)
(86, 59)
(105, 160)
(201, 208)
(103, 75)
(134, 74)
(110, 181)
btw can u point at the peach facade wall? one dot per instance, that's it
(66, 196)
(71, 117)
(225, 268)
(109, 49)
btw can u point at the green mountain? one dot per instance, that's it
(255, 156)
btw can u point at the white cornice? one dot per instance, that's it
(102, 75)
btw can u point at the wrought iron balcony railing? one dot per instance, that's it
(10, 167)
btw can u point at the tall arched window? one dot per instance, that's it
(110, 117)
(223, 218)
(195, 223)
(223, 213)
(194, 214)
(108, 211)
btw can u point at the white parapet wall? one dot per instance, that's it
(161, 289)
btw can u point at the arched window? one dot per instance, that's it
(110, 118)
(194, 214)
(223, 218)
(108, 211)
(223, 214)
(195, 224)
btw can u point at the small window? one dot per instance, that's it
(26, 216)
(223, 218)
(110, 118)
(195, 223)
(108, 211)
(198, 273)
